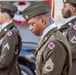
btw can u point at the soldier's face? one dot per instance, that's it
(66, 10)
(1, 18)
(36, 26)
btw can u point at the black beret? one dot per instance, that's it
(70, 1)
(36, 9)
(9, 6)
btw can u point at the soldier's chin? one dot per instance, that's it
(35, 34)
(64, 17)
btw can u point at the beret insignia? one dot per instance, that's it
(26, 16)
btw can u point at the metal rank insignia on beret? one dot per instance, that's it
(26, 16)
(64, 0)
(74, 27)
(51, 45)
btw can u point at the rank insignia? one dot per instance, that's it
(64, 0)
(51, 45)
(49, 65)
(26, 17)
(74, 27)
(73, 40)
(6, 46)
(9, 33)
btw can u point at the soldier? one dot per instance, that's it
(53, 52)
(68, 12)
(69, 28)
(11, 41)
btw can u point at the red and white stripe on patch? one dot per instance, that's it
(9, 33)
(51, 45)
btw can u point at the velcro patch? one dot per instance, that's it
(9, 33)
(51, 45)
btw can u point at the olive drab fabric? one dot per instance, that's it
(64, 28)
(9, 6)
(70, 33)
(38, 8)
(71, 37)
(53, 55)
(10, 50)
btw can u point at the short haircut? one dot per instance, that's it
(73, 5)
(11, 14)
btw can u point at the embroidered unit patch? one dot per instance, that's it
(51, 45)
(74, 27)
(9, 33)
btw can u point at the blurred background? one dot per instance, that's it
(58, 15)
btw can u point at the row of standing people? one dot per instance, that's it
(54, 55)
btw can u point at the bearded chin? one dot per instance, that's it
(65, 17)
(68, 14)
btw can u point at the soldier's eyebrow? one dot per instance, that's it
(30, 23)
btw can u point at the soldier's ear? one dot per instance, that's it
(73, 9)
(43, 20)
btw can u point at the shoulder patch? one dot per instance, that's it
(9, 33)
(51, 45)
(74, 27)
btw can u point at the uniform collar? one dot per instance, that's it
(69, 19)
(5, 24)
(48, 29)
(5, 29)
(68, 24)
(46, 37)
